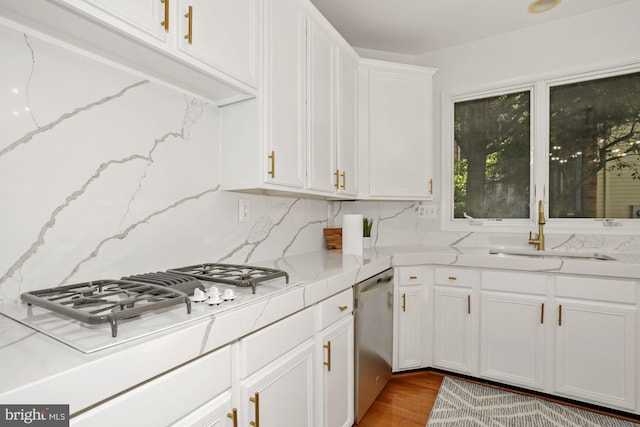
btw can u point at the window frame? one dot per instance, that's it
(539, 88)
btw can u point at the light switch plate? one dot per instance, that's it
(243, 210)
(427, 211)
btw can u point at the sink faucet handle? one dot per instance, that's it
(541, 212)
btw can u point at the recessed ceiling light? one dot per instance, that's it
(539, 6)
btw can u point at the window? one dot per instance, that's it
(580, 153)
(491, 156)
(594, 148)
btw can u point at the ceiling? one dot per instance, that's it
(420, 26)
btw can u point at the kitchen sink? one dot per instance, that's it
(553, 254)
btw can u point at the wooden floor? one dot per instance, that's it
(406, 401)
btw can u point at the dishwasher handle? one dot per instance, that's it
(376, 281)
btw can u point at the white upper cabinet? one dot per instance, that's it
(347, 143)
(396, 131)
(283, 96)
(221, 34)
(150, 17)
(322, 110)
(263, 139)
(332, 77)
(298, 135)
(148, 36)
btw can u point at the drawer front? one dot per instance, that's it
(335, 308)
(453, 276)
(507, 281)
(177, 393)
(408, 276)
(266, 345)
(611, 290)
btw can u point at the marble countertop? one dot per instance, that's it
(39, 369)
(626, 265)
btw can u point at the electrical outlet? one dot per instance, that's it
(427, 211)
(243, 210)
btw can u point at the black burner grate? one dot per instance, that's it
(232, 274)
(181, 282)
(106, 301)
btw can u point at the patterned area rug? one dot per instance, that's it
(461, 404)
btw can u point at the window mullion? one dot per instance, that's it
(540, 148)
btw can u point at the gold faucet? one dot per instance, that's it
(538, 242)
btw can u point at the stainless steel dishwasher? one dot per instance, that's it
(373, 318)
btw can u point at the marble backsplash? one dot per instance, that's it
(104, 173)
(398, 223)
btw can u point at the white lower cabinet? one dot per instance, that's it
(409, 316)
(512, 338)
(281, 394)
(570, 336)
(336, 374)
(453, 327)
(335, 361)
(276, 370)
(595, 346)
(512, 328)
(455, 320)
(412, 325)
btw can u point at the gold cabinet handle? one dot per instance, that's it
(452, 278)
(542, 313)
(468, 304)
(342, 307)
(560, 315)
(337, 175)
(404, 302)
(165, 23)
(413, 277)
(189, 16)
(256, 401)
(328, 362)
(431, 186)
(234, 416)
(272, 172)
(344, 180)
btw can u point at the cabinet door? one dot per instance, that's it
(453, 329)
(223, 35)
(399, 134)
(409, 329)
(322, 174)
(146, 16)
(595, 352)
(347, 148)
(284, 95)
(337, 380)
(512, 338)
(281, 394)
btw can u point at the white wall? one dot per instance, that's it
(604, 37)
